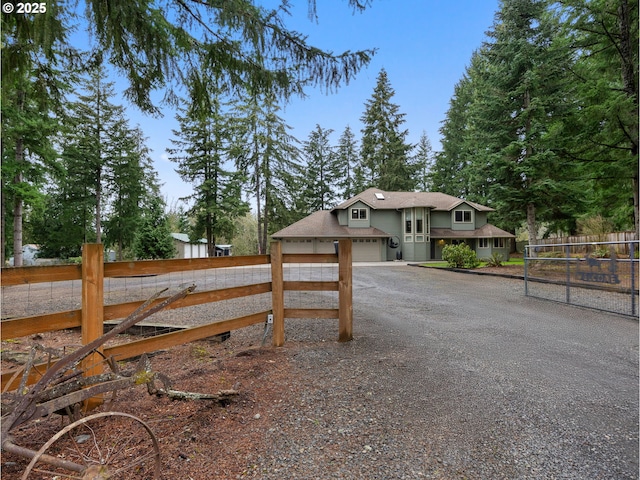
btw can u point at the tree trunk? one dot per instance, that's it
(17, 229)
(18, 207)
(532, 228)
(3, 233)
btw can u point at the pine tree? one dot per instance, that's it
(92, 146)
(605, 37)
(347, 157)
(521, 94)
(451, 171)
(131, 179)
(32, 90)
(201, 150)
(266, 154)
(320, 172)
(423, 161)
(160, 44)
(153, 237)
(385, 154)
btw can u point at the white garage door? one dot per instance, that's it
(297, 245)
(366, 250)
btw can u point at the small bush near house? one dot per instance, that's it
(494, 261)
(460, 256)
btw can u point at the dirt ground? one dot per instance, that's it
(200, 438)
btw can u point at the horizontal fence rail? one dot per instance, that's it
(94, 312)
(598, 275)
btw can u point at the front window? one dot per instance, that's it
(463, 216)
(358, 214)
(498, 242)
(483, 243)
(419, 220)
(407, 221)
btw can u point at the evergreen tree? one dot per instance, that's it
(104, 174)
(266, 154)
(131, 179)
(451, 172)
(153, 238)
(347, 158)
(423, 161)
(320, 173)
(159, 44)
(385, 159)
(92, 145)
(32, 89)
(201, 150)
(604, 35)
(518, 119)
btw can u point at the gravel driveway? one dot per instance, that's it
(458, 376)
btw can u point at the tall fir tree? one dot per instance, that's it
(347, 158)
(518, 118)
(320, 172)
(131, 179)
(451, 171)
(202, 144)
(33, 87)
(604, 37)
(385, 161)
(267, 155)
(91, 147)
(423, 162)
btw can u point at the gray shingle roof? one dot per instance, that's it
(324, 224)
(485, 231)
(393, 200)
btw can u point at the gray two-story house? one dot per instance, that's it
(412, 226)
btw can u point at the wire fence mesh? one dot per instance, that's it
(598, 275)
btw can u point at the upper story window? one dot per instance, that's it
(358, 214)
(462, 216)
(419, 220)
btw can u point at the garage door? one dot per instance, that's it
(366, 250)
(297, 245)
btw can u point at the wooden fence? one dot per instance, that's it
(91, 317)
(623, 238)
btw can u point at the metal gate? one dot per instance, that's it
(599, 275)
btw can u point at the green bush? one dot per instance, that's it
(460, 256)
(494, 261)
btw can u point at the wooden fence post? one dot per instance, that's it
(277, 294)
(345, 291)
(92, 308)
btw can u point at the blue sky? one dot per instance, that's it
(424, 45)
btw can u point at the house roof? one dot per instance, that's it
(184, 238)
(323, 224)
(486, 231)
(381, 200)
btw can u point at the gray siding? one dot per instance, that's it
(388, 221)
(365, 223)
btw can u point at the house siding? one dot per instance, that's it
(463, 226)
(360, 223)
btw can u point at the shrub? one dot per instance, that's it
(494, 261)
(460, 256)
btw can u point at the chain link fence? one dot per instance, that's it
(598, 275)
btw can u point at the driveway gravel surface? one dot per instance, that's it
(460, 376)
